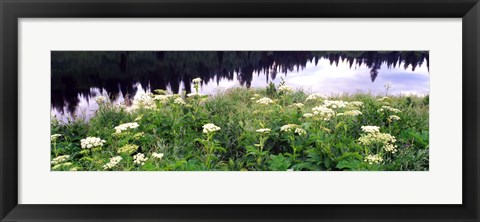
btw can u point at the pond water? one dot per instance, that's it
(78, 77)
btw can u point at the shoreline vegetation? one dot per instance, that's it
(270, 129)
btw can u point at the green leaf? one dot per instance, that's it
(278, 162)
(349, 164)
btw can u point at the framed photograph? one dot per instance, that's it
(227, 110)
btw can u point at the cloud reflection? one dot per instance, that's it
(333, 80)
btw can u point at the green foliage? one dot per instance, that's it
(170, 135)
(279, 163)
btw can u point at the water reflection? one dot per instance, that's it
(77, 77)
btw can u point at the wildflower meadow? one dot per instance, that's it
(275, 128)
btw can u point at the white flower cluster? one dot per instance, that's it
(113, 162)
(323, 112)
(197, 80)
(100, 100)
(297, 105)
(288, 127)
(162, 98)
(60, 165)
(265, 130)
(128, 149)
(158, 155)
(125, 126)
(393, 117)
(210, 128)
(300, 131)
(265, 101)
(371, 129)
(139, 159)
(179, 101)
(90, 142)
(285, 89)
(391, 148)
(55, 136)
(335, 104)
(383, 99)
(293, 128)
(356, 104)
(194, 94)
(382, 138)
(371, 159)
(144, 101)
(352, 113)
(308, 115)
(60, 159)
(316, 96)
(388, 108)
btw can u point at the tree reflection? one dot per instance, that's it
(75, 73)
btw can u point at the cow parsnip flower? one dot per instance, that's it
(113, 162)
(293, 128)
(197, 80)
(194, 94)
(308, 115)
(210, 128)
(315, 96)
(123, 127)
(162, 98)
(371, 159)
(288, 127)
(61, 165)
(127, 149)
(300, 131)
(352, 113)
(100, 100)
(139, 159)
(144, 101)
(356, 103)
(179, 101)
(371, 129)
(157, 155)
(335, 104)
(138, 135)
(265, 101)
(389, 108)
(285, 89)
(376, 138)
(54, 137)
(323, 112)
(91, 142)
(383, 99)
(265, 130)
(298, 105)
(59, 159)
(391, 118)
(390, 148)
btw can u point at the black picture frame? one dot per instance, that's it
(11, 11)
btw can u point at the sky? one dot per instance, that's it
(332, 80)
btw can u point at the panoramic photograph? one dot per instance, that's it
(239, 111)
